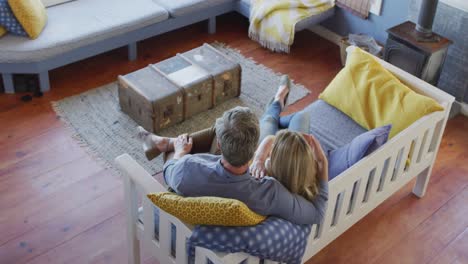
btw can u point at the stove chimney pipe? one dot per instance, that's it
(426, 17)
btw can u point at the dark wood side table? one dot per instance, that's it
(407, 49)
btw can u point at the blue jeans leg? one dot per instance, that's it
(298, 122)
(284, 121)
(269, 122)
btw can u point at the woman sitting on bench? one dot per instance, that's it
(292, 156)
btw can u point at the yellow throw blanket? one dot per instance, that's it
(273, 22)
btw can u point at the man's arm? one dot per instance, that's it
(173, 169)
(171, 173)
(296, 208)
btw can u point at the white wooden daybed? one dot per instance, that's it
(372, 180)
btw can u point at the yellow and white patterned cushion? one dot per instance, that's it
(2, 31)
(31, 14)
(206, 210)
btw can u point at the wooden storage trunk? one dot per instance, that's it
(165, 93)
(226, 73)
(168, 92)
(195, 82)
(150, 99)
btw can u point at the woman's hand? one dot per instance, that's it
(258, 169)
(182, 146)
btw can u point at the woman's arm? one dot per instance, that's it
(257, 169)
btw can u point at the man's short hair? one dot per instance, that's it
(237, 132)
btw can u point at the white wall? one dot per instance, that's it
(376, 7)
(460, 4)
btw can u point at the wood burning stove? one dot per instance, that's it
(415, 48)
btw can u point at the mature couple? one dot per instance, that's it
(228, 163)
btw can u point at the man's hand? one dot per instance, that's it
(182, 146)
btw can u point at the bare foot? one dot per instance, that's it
(283, 90)
(152, 144)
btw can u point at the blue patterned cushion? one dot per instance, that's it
(9, 21)
(274, 239)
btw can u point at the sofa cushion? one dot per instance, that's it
(372, 96)
(31, 14)
(184, 7)
(206, 210)
(274, 239)
(79, 23)
(8, 20)
(332, 128)
(2, 31)
(345, 157)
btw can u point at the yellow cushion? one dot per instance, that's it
(2, 31)
(372, 96)
(206, 210)
(31, 14)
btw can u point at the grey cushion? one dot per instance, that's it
(178, 8)
(79, 23)
(301, 25)
(344, 157)
(330, 126)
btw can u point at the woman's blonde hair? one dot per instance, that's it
(293, 163)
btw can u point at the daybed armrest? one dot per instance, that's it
(131, 169)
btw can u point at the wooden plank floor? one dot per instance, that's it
(58, 205)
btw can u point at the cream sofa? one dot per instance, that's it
(83, 28)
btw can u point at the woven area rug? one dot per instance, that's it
(106, 132)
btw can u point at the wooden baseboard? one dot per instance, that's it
(326, 34)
